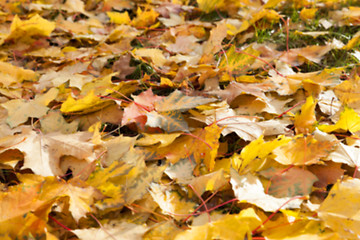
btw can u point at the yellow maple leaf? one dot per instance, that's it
(19, 110)
(29, 224)
(81, 196)
(171, 202)
(145, 18)
(349, 121)
(354, 41)
(161, 139)
(209, 5)
(237, 61)
(89, 103)
(308, 13)
(341, 210)
(156, 55)
(25, 30)
(306, 120)
(10, 74)
(348, 91)
(209, 182)
(119, 18)
(253, 155)
(236, 226)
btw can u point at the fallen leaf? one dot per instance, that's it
(248, 188)
(227, 227)
(289, 182)
(349, 121)
(25, 30)
(344, 220)
(303, 151)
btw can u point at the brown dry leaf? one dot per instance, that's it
(327, 174)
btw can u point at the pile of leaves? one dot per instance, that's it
(182, 119)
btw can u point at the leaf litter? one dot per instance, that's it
(179, 119)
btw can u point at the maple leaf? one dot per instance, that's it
(202, 144)
(11, 74)
(244, 126)
(227, 227)
(305, 121)
(21, 199)
(289, 182)
(237, 62)
(81, 196)
(349, 121)
(25, 30)
(119, 18)
(152, 139)
(248, 188)
(20, 110)
(88, 103)
(171, 202)
(42, 152)
(169, 121)
(343, 220)
(209, 182)
(136, 111)
(347, 91)
(180, 102)
(213, 126)
(303, 151)
(253, 155)
(118, 230)
(124, 181)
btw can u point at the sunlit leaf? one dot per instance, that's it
(306, 120)
(340, 210)
(88, 103)
(171, 202)
(248, 188)
(119, 18)
(178, 101)
(253, 155)
(237, 226)
(289, 182)
(169, 121)
(237, 61)
(303, 151)
(25, 30)
(349, 121)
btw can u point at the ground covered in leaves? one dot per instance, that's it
(182, 119)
